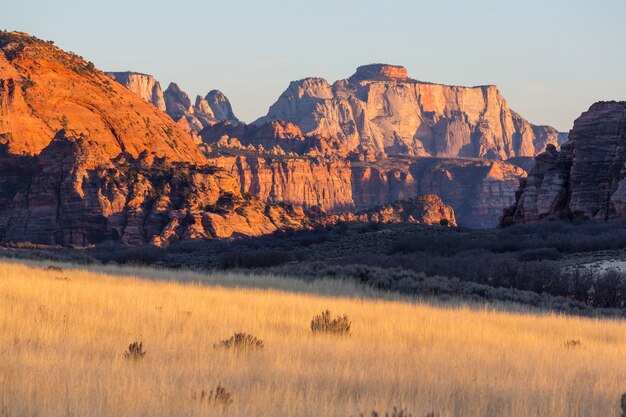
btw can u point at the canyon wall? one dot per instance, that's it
(381, 110)
(585, 179)
(477, 190)
(144, 85)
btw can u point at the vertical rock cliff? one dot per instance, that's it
(383, 111)
(586, 178)
(144, 85)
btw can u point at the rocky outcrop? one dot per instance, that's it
(73, 194)
(476, 190)
(380, 110)
(586, 178)
(144, 85)
(84, 160)
(43, 90)
(303, 181)
(426, 209)
(220, 106)
(206, 111)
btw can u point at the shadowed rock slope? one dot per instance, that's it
(586, 178)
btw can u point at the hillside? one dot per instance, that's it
(44, 89)
(74, 325)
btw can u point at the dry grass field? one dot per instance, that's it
(63, 335)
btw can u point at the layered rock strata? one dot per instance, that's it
(586, 178)
(381, 110)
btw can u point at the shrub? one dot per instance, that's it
(218, 396)
(397, 412)
(572, 344)
(253, 259)
(322, 323)
(53, 268)
(539, 254)
(135, 351)
(241, 341)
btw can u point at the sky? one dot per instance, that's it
(551, 58)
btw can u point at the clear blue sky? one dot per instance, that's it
(551, 58)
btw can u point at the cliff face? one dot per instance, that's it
(206, 111)
(382, 111)
(144, 85)
(426, 209)
(43, 90)
(71, 193)
(585, 179)
(476, 190)
(304, 181)
(84, 160)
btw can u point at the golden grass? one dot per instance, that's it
(62, 344)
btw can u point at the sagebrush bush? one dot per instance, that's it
(572, 344)
(53, 268)
(396, 412)
(323, 323)
(135, 351)
(219, 396)
(241, 341)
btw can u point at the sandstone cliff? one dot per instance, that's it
(585, 179)
(43, 90)
(84, 160)
(382, 111)
(426, 209)
(72, 193)
(206, 111)
(477, 190)
(144, 85)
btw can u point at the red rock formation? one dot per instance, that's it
(476, 190)
(118, 170)
(144, 85)
(74, 194)
(380, 110)
(585, 179)
(207, 111)
(426, 209)
(380, 71)
(43, 89)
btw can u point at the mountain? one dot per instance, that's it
(44, 90)
(275, 164)
(585, 179)
(144, 85)
(206, 111)
(85, 160)
(380, 110)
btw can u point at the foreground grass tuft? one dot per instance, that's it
(135, 351)
(323, 323)
(241, 342)
(219, 396)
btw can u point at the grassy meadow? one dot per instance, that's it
(63, 335)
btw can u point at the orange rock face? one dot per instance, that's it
(43, 89)
(477, 190)
(380, 110)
